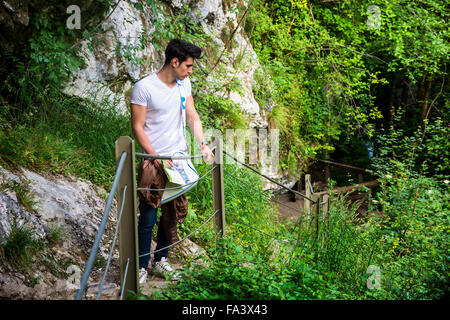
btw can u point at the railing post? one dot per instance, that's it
(128, 241)
(360, 177)
(218, 187)
(315, 212)
(306, 202)
(326, 224)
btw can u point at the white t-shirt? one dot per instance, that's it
(163, 122)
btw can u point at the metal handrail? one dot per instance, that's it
(101, 229)
(151, 156)
(179, 187)
(113, 243)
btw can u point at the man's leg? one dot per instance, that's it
(147, 219)
(167, 234)
(161, 242)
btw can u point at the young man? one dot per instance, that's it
(158, 128)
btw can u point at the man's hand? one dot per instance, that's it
(159, 162)
(206, 152)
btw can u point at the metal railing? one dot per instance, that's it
(126, 225)
(98, 237)
(124, 185)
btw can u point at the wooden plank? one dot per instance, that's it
(368, 184)
(327, 173)
(343, 166)
(325, 206)
(128, 240)
(218, 190)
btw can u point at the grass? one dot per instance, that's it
(74, 136)
(23, 252)
(21, 246)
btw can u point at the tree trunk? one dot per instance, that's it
(392, 100)
(405, 90)
(425, 104)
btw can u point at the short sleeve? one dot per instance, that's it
(187, 87)
(139, 94)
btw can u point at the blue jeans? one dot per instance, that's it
(147, 220)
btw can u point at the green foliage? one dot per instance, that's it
(25, 253)
(321, 86)
(425, 151)
(414, 217)
(219, 113)
(67, 140)
(241, 202)
(56, 234)
(21, 246)
(35, 149)
(46, 130)
(321, 65)
(415, 231)
(323, 62)
(236, 272)
(404, 235)
(50, 60)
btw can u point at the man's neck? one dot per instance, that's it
(166, 76)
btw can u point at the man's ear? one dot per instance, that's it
(174, 62)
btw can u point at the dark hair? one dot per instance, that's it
(181, 49)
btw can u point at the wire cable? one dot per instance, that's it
(175, 243)
(270, 179)
(242, 222)
(124, 278)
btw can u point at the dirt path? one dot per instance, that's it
(287, 210)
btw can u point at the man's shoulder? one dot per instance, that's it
(148, 78)
(146, 81)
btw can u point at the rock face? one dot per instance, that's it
(12, 212)
(125, 26)
(71, 205)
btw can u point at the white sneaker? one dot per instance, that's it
(142, 275)
(164, 268)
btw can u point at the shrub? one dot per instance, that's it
(21, 246)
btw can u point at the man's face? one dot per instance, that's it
(184, 69)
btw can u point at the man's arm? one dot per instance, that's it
(138, 114)
(194, 122)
